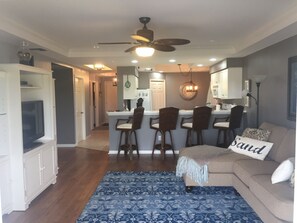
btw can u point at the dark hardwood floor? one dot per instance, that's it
(80, 171)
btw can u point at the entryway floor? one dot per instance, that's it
(97, 140)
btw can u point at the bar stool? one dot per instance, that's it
(228, 125)
(166, 122)
(129, 127)
(198, 122)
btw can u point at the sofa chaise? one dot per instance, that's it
(252, 177)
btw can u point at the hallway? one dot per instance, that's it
(97, 140)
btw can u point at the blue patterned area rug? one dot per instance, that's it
(130, 197)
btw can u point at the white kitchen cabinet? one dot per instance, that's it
(6, 206)
(39, 170)
(130, 85)
(31, 172)
(227, 83)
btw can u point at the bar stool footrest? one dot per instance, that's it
(126, 147)
(166, 147)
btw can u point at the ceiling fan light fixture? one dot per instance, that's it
(98, 67)
(140, 38)
(145, 51)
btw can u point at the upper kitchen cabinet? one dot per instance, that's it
(226, 82)
(230, 86)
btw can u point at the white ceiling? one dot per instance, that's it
(69, 29)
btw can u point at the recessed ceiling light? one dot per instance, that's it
(172, 60)
(200, 65)
(98, 67)
(213, 59)
(134, 61)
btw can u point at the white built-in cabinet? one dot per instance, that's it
(25, 174)
(5, 194)
(40, 169)
(227, 83)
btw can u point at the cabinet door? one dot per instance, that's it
(223, 84)
(214, 79)
(33, 179)
(5, 187)
(48, 167)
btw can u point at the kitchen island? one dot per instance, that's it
(145, 135)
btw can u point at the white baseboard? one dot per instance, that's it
(66, 145)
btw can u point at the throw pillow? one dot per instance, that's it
(292, 180)
(258, 134)
(250, 147)
(284, 171)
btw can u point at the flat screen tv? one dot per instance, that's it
(33, 123)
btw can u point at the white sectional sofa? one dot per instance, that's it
(252, 177)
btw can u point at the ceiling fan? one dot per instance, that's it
(145, 38)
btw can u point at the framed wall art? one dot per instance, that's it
(292, 87)
(247, 88)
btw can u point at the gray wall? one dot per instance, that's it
(8, 53)
(273, 62)
(173, 82)
(64, 104)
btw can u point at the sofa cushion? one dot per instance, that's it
(245, 169)
(219, 160)
(292, 179)
(278, 198)
(224, 163)
(276, 136)
(287, 147)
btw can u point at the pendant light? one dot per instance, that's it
(190, 85)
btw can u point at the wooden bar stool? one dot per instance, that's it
(129, 127)
(228, 125)
(166, 122)
(198, 122)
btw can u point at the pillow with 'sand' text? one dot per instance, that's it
(251, 147)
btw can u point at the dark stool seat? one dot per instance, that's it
(198, 122)
(129, 127)
(228, 125)
(166, 122)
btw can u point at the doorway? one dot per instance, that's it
(158, 94)
(79, 109)
(94, 92)
(110, 98)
